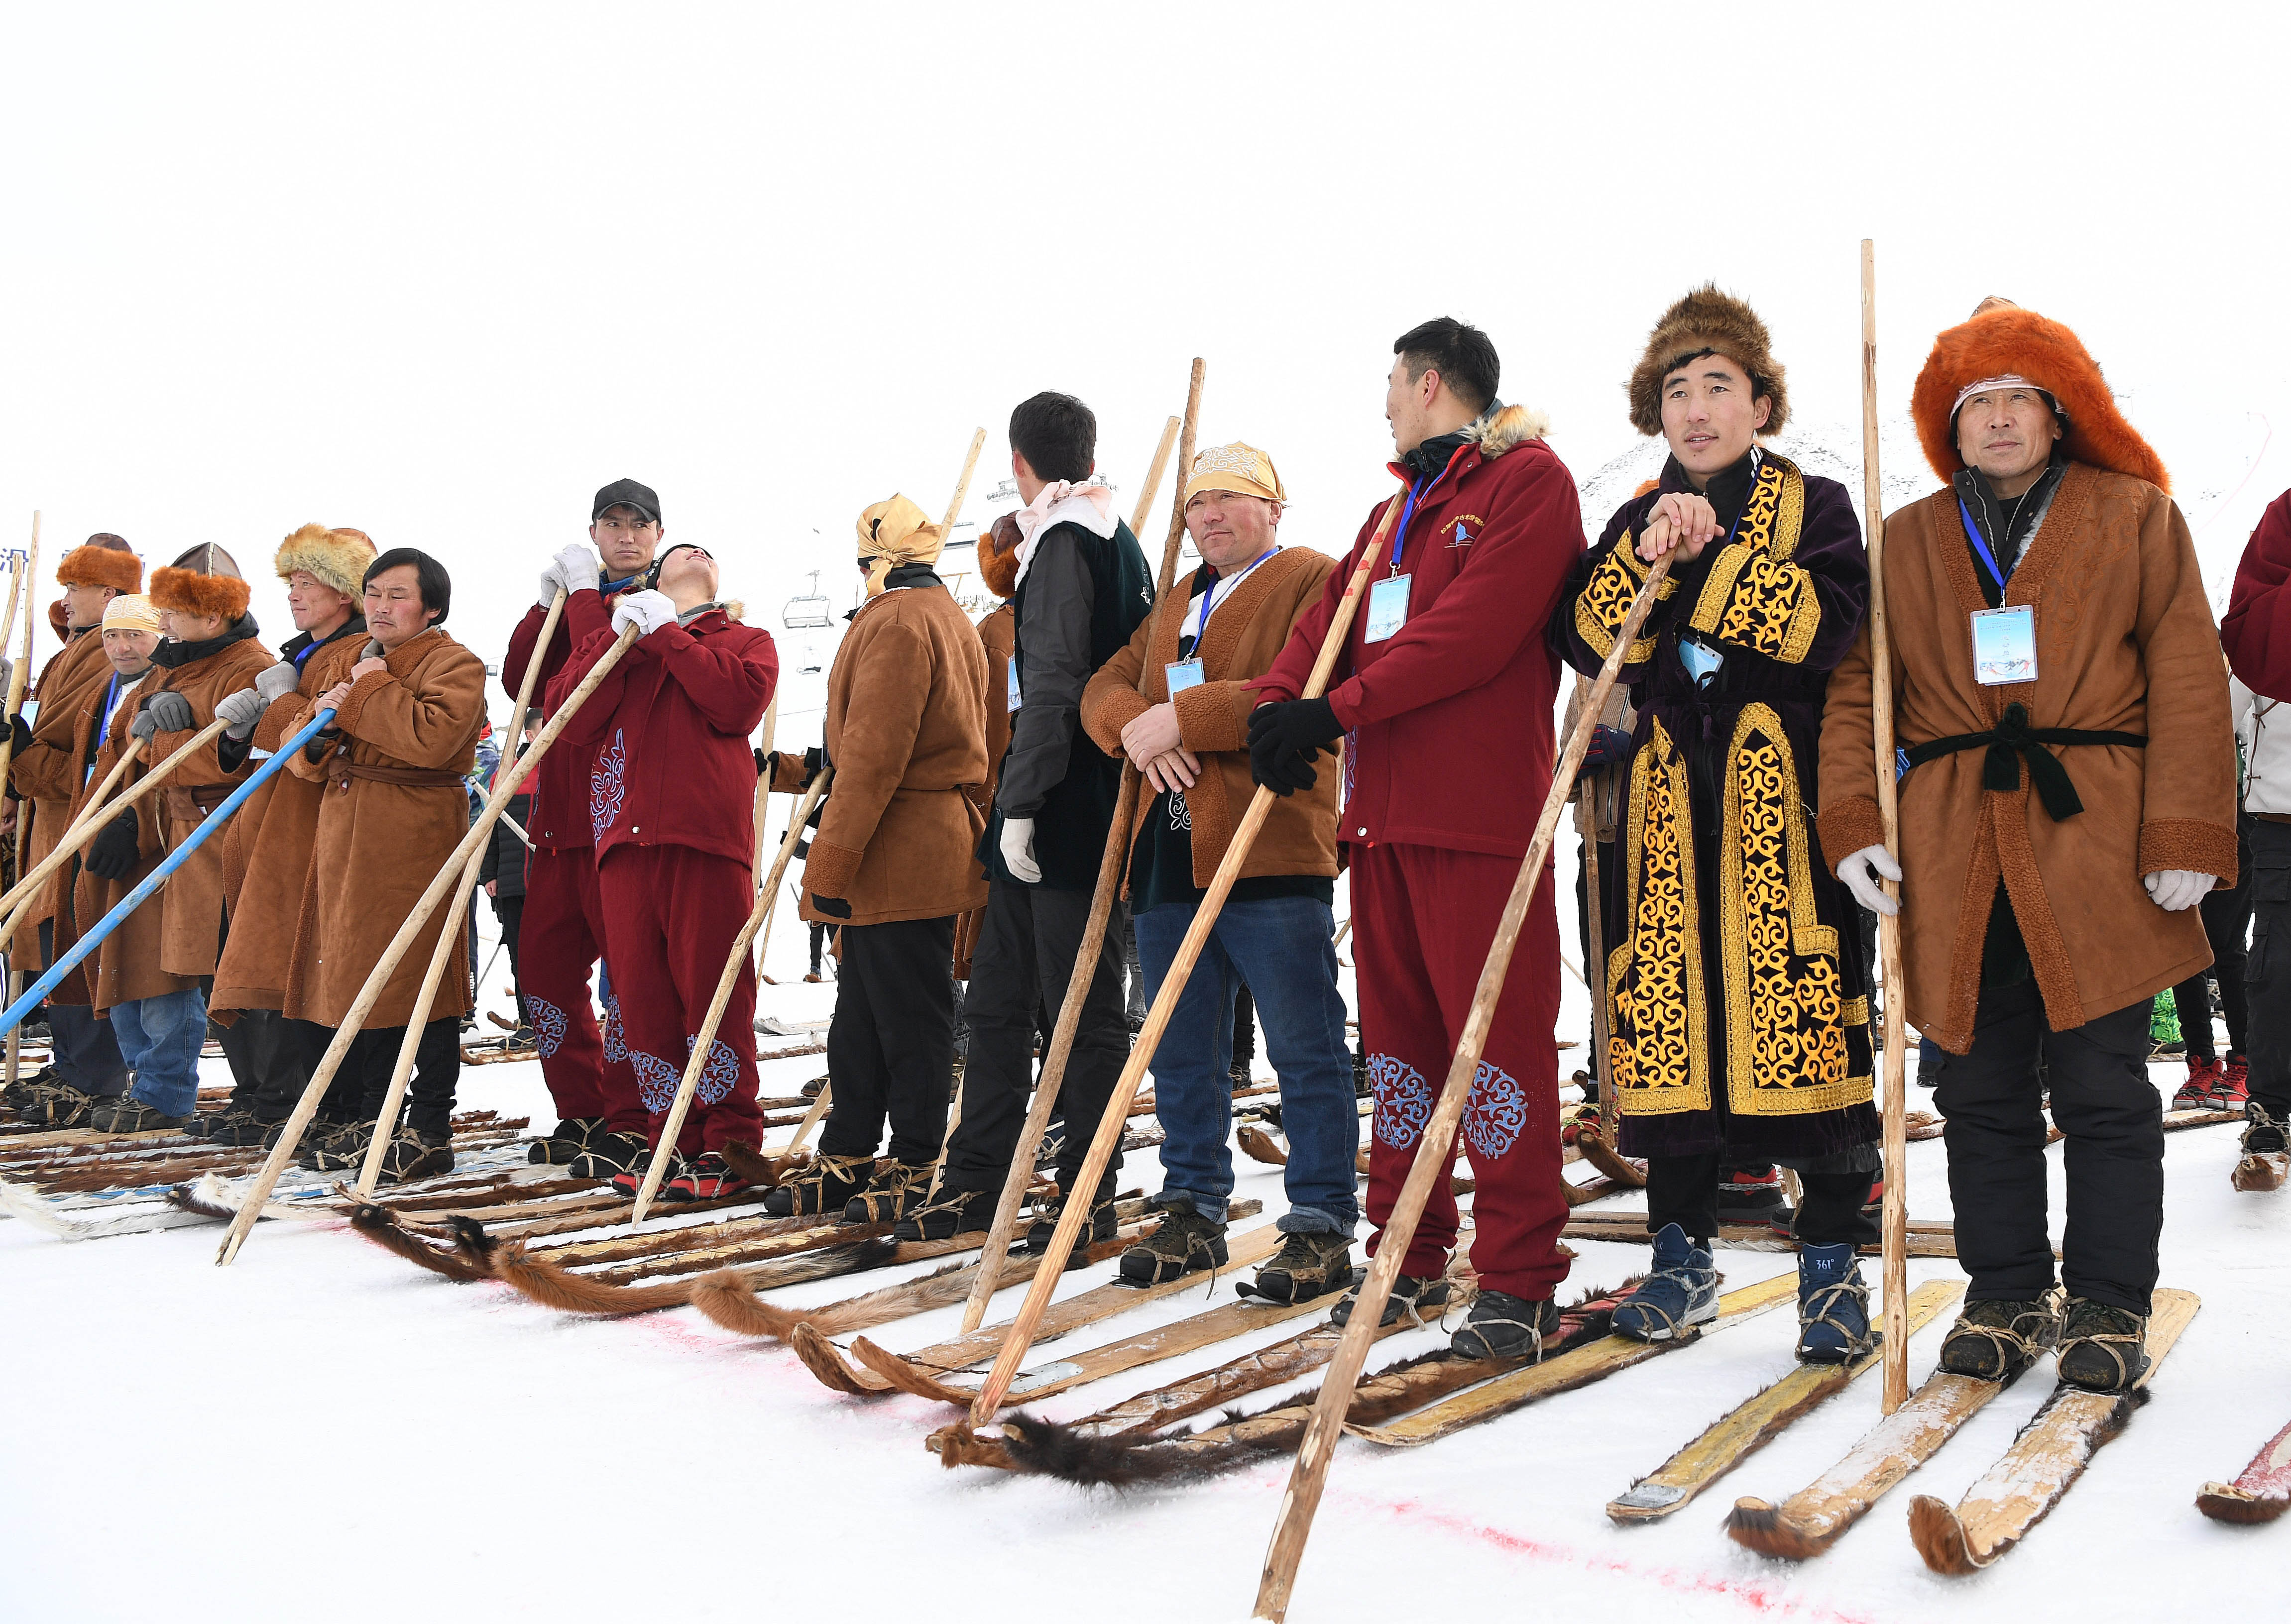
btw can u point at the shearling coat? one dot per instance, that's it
(44, 773)
(393, 811)
(126, 966)
(2124, 643)
(1245, 635)
(907, 706)
(267, 847)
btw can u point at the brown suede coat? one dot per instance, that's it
(393, 810)
(267, 848)
(44, 775)
(2124, 643)
(1245, 636)
(126, 966)
(906, 729)
(192, 902)
(997, 633)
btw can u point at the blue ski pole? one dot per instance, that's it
(157, 877)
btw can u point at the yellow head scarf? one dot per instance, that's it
(1241, 468)
(897, 532)
(131, 612)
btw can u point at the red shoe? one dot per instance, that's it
(2232, 1086)
(630, 1179)
(707, 1176)
(2195, 1093)
(1585, 1119)
(1875, 1206)
(1748, 1197)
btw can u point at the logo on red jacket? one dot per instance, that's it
(1463, 529)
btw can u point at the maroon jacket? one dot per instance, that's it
(667, 731)
(561, 804)
(1450, 740)
(2256, 632)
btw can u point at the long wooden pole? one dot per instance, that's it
(25, 585)
(1894, 1268)
(1433, 1148)
(733, 963)
(385, 1121)
(290, 1134)
(763, 818)
(1020, 1336)
(16, 579)
(1143, 510)
(87, 826)
(127, 757)
(1110, 865)
(1595, 943)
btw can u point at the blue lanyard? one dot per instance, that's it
(1209, 600)
(1981, 542)
(1407, 513)
(103, 734)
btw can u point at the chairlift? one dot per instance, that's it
(808, 611)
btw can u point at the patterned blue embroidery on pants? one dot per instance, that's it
(721, 1072)
(656, 1081)
(548, 1024)
(617, 1049)
(1498, 1111)
(1403, 1100)
(605, 787)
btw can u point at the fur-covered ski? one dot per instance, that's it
(2261, 1495)
(2045, 1461)
(1751, 1425)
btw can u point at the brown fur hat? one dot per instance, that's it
(204, 581)
(2002, 340)
(103, 560)
(1706, 319)
(338, 557)
(998, 557)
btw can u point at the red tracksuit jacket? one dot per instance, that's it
(560, 808)
(2256, 632)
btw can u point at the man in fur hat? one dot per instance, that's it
(1443, 694)
(893, 864)
(2069, 797)
(41, 774)
(1739, 999)
(602, 1121)
(1082, 588)
(672, 806)
(267, 845)
(1217, 628)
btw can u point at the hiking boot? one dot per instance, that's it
(340, 1149)
(1679, 1292)
(2232, 1087)
(2195, 1093)
(2102, 1346)
(234, 1129)
(411, 1154)
(826, 1185)
(129, 1114)
(1413, 1296)
(1996, 1341)
(1239, 1073)
(707, 1176)
(630, 1179)
(1833, 1305)
(563, 1146)
(56, 1104)
(1501, 1326)
(2265, 1163)
(955, 1212)
(810, 1090)
(16, 1095)
(896, 1189)
(607, 1155)
(1749, 1194)
(1052, 1147)
(1310, 1264)
(1184, 1242)
(1101, 1225)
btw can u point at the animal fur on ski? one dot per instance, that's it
(560, 1287)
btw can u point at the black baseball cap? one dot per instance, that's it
(626, 493)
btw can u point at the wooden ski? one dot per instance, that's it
(2045, 1461)
(1926, 1238)
(2261, 1494)
(1751, 1425)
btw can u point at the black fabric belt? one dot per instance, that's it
(2011, 739)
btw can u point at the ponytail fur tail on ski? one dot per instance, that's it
(380, 1225)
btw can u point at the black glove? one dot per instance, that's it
(112, 854)
(1608, 746)
(23, 732)
(1283, 738)
(834, 907)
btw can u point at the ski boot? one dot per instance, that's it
(2204, 1077)
(1833, 1305)
(1310, 1263)
(2265, 1160)
(413, 1154)
(1100, 1224)
(896, 1189)
(2233, 1085)
(560, 1148)
(1750, 1195)
(707, 1176)
(1996, 1341)
(607, 1155)
(1183, 1242)
(129, 1114)
(826, 1185)
(1501, 1326)
(630, 1179)
(1412, 1296)
(955, 1212)
(1681, 1290)
(2101, 1346)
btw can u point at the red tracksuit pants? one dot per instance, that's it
(560, 937)
(674, 913)
(1425, 917)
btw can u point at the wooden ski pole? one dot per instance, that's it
(19, 592)
(88, 825)
(1594, 942)
(127, 757)
(1143, 510)
(1433, 1154)
(1894, 1249)
(1110, 867)
(803, 1130)
(16, 579)
(733, 963)
(290, 1134)
(763, 818)
(1020, 1336)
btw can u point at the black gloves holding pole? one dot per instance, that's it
(1283, 738)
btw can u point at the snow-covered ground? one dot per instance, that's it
(323, 1429)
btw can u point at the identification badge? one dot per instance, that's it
(1388, 607)
(1183, 674)
(1013, 670)
(2005, 646)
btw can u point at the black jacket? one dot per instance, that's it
(504, 858)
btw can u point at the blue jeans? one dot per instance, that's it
(1284, 949)
(160, 1039)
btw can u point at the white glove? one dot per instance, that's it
(242, 711)
(2175, 889)
(275, 682)
(573, 570)
(648, 610)
(1018, 850)
(1855, 871)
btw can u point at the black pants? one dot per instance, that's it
(1244, 1028)
(509, 912)
(1592, 973)
(1684, 1190)
(890, 1048)
(2227, 921)
(1026, 956)
(822, 933)
(2267, 971)
(269, 1064)
(2113, 1118)
(362, 1083)
(86, 1055)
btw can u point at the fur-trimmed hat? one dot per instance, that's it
(204, 580)
(338, 557)
(104, 560)
(2004, 340)
(1704, 321)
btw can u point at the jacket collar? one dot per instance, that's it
(1217, 644)
(175, 656)
(294, 647)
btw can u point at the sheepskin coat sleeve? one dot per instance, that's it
(44, 773)
(192, 905)
(127, 965)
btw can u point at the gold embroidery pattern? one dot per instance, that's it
(1659, 1049)
(1753, 597)
(1787, 1016)
(1606, 599)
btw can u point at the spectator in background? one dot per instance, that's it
(503, 874)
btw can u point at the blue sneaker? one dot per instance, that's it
(1833, 1305)
(1681, 1290)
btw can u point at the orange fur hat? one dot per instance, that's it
(998, 557)
(204, 581)
(1706, 319)
(103, 560)
(2005, 341)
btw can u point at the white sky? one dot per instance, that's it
(438, 271)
